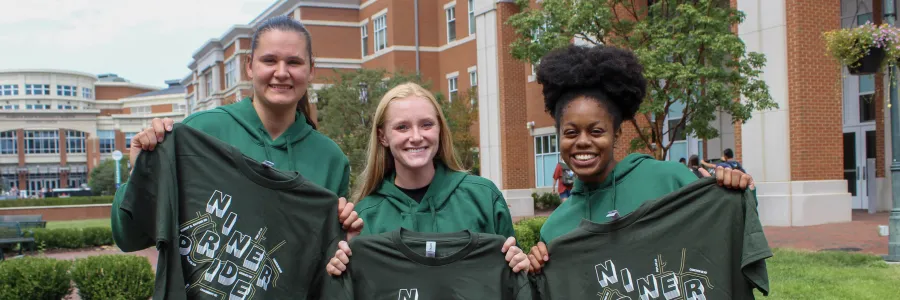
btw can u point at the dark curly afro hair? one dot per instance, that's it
(607, 74)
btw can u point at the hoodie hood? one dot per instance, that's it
(443, 184)
(245, 114)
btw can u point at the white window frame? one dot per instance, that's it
(207, 81)
(450, 17)
(37, 89)
(552, 145)
(75, 141)
(379, 24)
(10, 107)
(128, 137)
(141, 110)
(230, 74)
(110, 137)
(452, 87)
(179, 107)
(9, 90)
(364, 39)
(473, 78)
(87, 93)
(41, 141)
(67, 90)
(472, 17)
(37, 106)
(9, 142)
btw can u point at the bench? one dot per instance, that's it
(11, 234)
(21, 218)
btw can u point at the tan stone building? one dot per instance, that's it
(56, 125)
(817, 157)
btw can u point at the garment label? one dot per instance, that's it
(614, 214)
(429, 249)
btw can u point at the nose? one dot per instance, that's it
(281, 70)
(416, 135)
(582, 141)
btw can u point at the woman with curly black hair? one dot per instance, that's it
(589, 92)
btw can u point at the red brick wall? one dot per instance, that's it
(62, 213)
(62, 147)
(515, 140)
(814, 95)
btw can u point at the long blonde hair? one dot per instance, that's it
(379, 161)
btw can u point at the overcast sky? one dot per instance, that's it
(144, 41)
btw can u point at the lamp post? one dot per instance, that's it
(363, 92)
(894, 220)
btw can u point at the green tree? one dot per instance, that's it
(103, 176)
(461, 115)
(691, 57)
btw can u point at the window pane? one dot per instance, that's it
(538, 145)
(867, 84)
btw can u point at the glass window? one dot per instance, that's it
(107, 140)
(471, 16)
(66, 90)
(380, 26)
(546, 156)
(364, 33)
(41, 141)
(75, 141)
(87, 93)
(230, 74)
(37, 89)
(9, 90)
(451, 23)
(9, 144)
(128, 136)
(452, 88)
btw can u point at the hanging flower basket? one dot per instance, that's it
(864, 49)
(869, 63)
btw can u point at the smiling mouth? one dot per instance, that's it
(584, 157)
(280, 87)
(416, 150)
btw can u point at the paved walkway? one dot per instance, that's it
(860, 235)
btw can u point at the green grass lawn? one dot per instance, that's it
(831, 275)
(78, 223)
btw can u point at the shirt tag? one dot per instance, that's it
(429, 249)
(614, 214)
(268, 164)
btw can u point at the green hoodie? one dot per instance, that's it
(300, 148)
(455, 201)
(636, 179)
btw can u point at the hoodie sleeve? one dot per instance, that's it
(126, 233)
(502, 219)
(345, 181)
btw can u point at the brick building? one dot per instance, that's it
(814, 159)
(56, 125)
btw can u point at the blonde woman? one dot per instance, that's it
(413, 180)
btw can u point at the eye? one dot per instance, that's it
(570, 133)
(295, 62)
(428, 124)
(598, 131)
(401, 127)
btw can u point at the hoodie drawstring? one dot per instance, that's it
(433, 216)
(412, 214)
(288, 143)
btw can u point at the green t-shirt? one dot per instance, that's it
(701, 240)
(407, 265)
(227, 226)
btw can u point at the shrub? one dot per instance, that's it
(528, 232)
(71, 238)
(113, 277)
(525, 237)
(97, 236)
(57, 201)
(545, 201)
(34, 278)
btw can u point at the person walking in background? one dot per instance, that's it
(563, 178)
(694, 165)
(728, 162)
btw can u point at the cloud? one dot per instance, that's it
(89, 35)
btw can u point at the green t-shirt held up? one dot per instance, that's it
(700, 242)
(407, 265)
(226, 226)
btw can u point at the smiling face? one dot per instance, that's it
(412, 132)
(587, 136)
(280, 68)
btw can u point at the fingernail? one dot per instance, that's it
(546, 257)
(169, 127)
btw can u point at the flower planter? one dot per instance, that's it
(869, 63)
